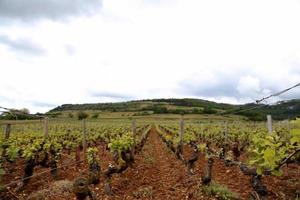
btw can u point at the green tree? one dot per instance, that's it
(70, 115)
(209, 110)
(95, 115)
(82, 115)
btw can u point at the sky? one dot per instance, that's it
(54, 52)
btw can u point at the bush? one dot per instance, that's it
(144, 113)
(209, 110)
(178, 111)
(253, 116)
(8, 116)
(160, 110)
(197, 111)
(221, 192)
(82, 115)
(95, 115)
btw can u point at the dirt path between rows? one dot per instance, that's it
(156, 174)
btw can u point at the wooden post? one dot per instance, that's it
(46, 133)
(225, 132)
(77, 156)
(84, 137)
(181, 133)
(287, 123)
(36, 128)
(269, 123)
(201, 130)
(7, 131)
(133, 127)
(6, 136)
(68, 133)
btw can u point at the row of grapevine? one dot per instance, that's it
(264, 153)
(36, 149)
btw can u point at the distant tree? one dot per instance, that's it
(178, 111)
(82, 115)
(253, 116)
(7, 116)
(197, 111)
(144, 113)
(209, 110)
(25, 110)
(15, 114)
(95, 115)
(54, 114)
(160, 110)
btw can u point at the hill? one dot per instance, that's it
(282, 110)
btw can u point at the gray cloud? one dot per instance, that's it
(42, 104)
(225, 84)
(27, 10)
(211, 84)
(222, 88)
(110, 95)
(22, 45)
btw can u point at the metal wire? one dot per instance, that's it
(278, 93)
(40, 173)
(15, 112)
(259, 101)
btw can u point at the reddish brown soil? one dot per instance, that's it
(228, 176)
(283, 187)
(158, 174)
(70, 172)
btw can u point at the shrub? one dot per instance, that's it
(221, 192)
(70, 115)
(209, 110)
(82, 115)
(95, 115)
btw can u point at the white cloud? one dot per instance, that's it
(31, 10)
(209, 49)
(249, 85)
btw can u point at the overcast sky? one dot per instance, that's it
(54, 52)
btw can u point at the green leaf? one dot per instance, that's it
(277, 172)
(2, 172)
(295, 139)
(269, 155)
(259, 170)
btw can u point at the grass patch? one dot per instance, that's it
(144, 192)
(169, 151)
(148, 154)
(221, 192)
(58, 190)
(149, 160)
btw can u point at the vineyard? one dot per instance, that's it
(149, 159)
(149, 100)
